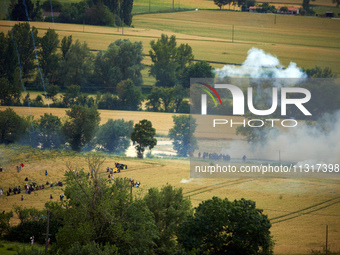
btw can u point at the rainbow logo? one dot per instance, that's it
(209, 93)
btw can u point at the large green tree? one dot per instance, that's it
(77, 67)
(121, 61)
(114, 135)
(169, 61)
(23, 40)
(223, 227)
(50, 134)
(129, 95)
(182, 134)
(200, 69)
(80, 128)
(48, 57)
(104, 213)
(12, 126)
(169, 209)
(143, 137)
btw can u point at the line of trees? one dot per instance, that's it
(114, 74)
(100, 216)
(80, 130)
(93, 12)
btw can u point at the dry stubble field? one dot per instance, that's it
(299, 209)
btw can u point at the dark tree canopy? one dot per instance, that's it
(169, 209)
(48, 57)
(130, 96)
(103, 212)
(182, 134)
(223, 227)
(114, 135)
(121, 61)
(24, 42)
(50, 136)
(12, 126)
(169, 61)
(143, 136)
(19, 10)
(80, 128)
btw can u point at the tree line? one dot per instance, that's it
(80, 130)
(100, 216)
(113, 74)
(92, 12)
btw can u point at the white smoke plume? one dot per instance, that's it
(261, 65)
(303, 144)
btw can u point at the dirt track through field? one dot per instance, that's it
(307, 210)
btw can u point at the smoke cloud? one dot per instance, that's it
(261, 65)
(303, 144)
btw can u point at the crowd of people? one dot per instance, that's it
(31, 186)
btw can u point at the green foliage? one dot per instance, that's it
(169, 61)
(126, 10)
(100, 15)
(79, 129)
(48, 57)
(267, 8)
(223, 227)
(24, 42)
(12, 126)
(284, 9)
(114, 135)
(169, 209)
(4, 222)
(318, 72)
(96, 211)
(182, 134)
(31, 251)
(121, 61)
(200, 69)
(66, 43)
(46, 5)
(10, 92)
(143, 135)
(221, 3)
(52, 91)
(107, 101)
(166, 99)
(50, 136)
(129, 95)
(19, 10)
(92, 249)
(77, 67)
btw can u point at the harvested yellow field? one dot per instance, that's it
(299, 209)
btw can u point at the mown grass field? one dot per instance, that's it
(299, 209)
